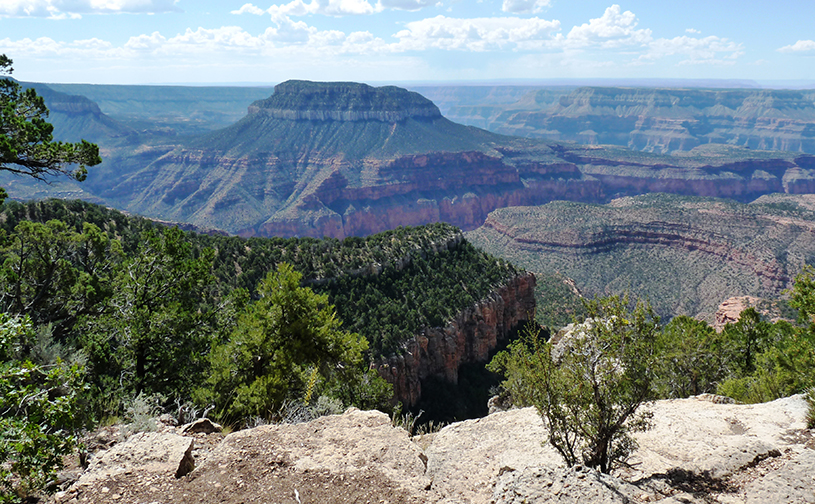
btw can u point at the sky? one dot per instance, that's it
(379, 41)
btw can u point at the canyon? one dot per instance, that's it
(655, 119)
(685, 254)
(470, 337)
(347, 159)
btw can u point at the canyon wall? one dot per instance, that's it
(463, 188)
(469, 337)
(683, 254)
(659, 120)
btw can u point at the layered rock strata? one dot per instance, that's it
(343, 101)
(664, 120)
(345, 159)
(683, 254)
(469, 337)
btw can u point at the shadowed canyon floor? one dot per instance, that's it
(698, 451)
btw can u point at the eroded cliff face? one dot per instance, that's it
(665, 120)
(683, 254)
(463, 188)
(343, 101)
(469, 337)
(346, 159)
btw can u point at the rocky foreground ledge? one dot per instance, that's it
(699, 451)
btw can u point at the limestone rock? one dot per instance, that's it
(730, 310)
(574, 485)
(201, 426)
(353, 443)
(711, 438)
(697, 452)
(466, 458)
(792, 481)
(161, 453)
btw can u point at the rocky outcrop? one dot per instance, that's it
(469, 337)
(154, 453)
(571, 485)
(696, 452)
(343, 101)
(730, 310)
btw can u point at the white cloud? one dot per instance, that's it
(476, 34)
(145, 42)
(408, 5)
(249, 9)
(692, 30)
(288, 39)
(58, 9)
(613, 29)
(290, 32)
(223, 38)
(525, 6)
(799, 47)
(300, 8)
(696, 50)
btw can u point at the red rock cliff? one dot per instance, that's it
(439, 351)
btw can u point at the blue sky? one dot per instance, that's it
(207, 41)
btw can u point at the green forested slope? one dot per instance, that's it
(385, 286)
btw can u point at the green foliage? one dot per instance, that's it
(391, 307)
(39, 411)
(148, 304)
(746, 338)
(589, 387)
(782, 365)
(54, 274)
(802, 296)
(691, 359)
(771, 360)
(27, 146)
(267, 358)
(556, 300)
(157, 325)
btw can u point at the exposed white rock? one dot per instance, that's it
(348, 443)
(466, 458)
(574, 485)
(146, 452)
(698, 451)
(702, 436)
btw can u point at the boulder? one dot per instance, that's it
(466, 458)
(716, 439)
(201, 426)
(573, 485)
(160, 453)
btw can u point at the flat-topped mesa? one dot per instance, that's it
(344, 101)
